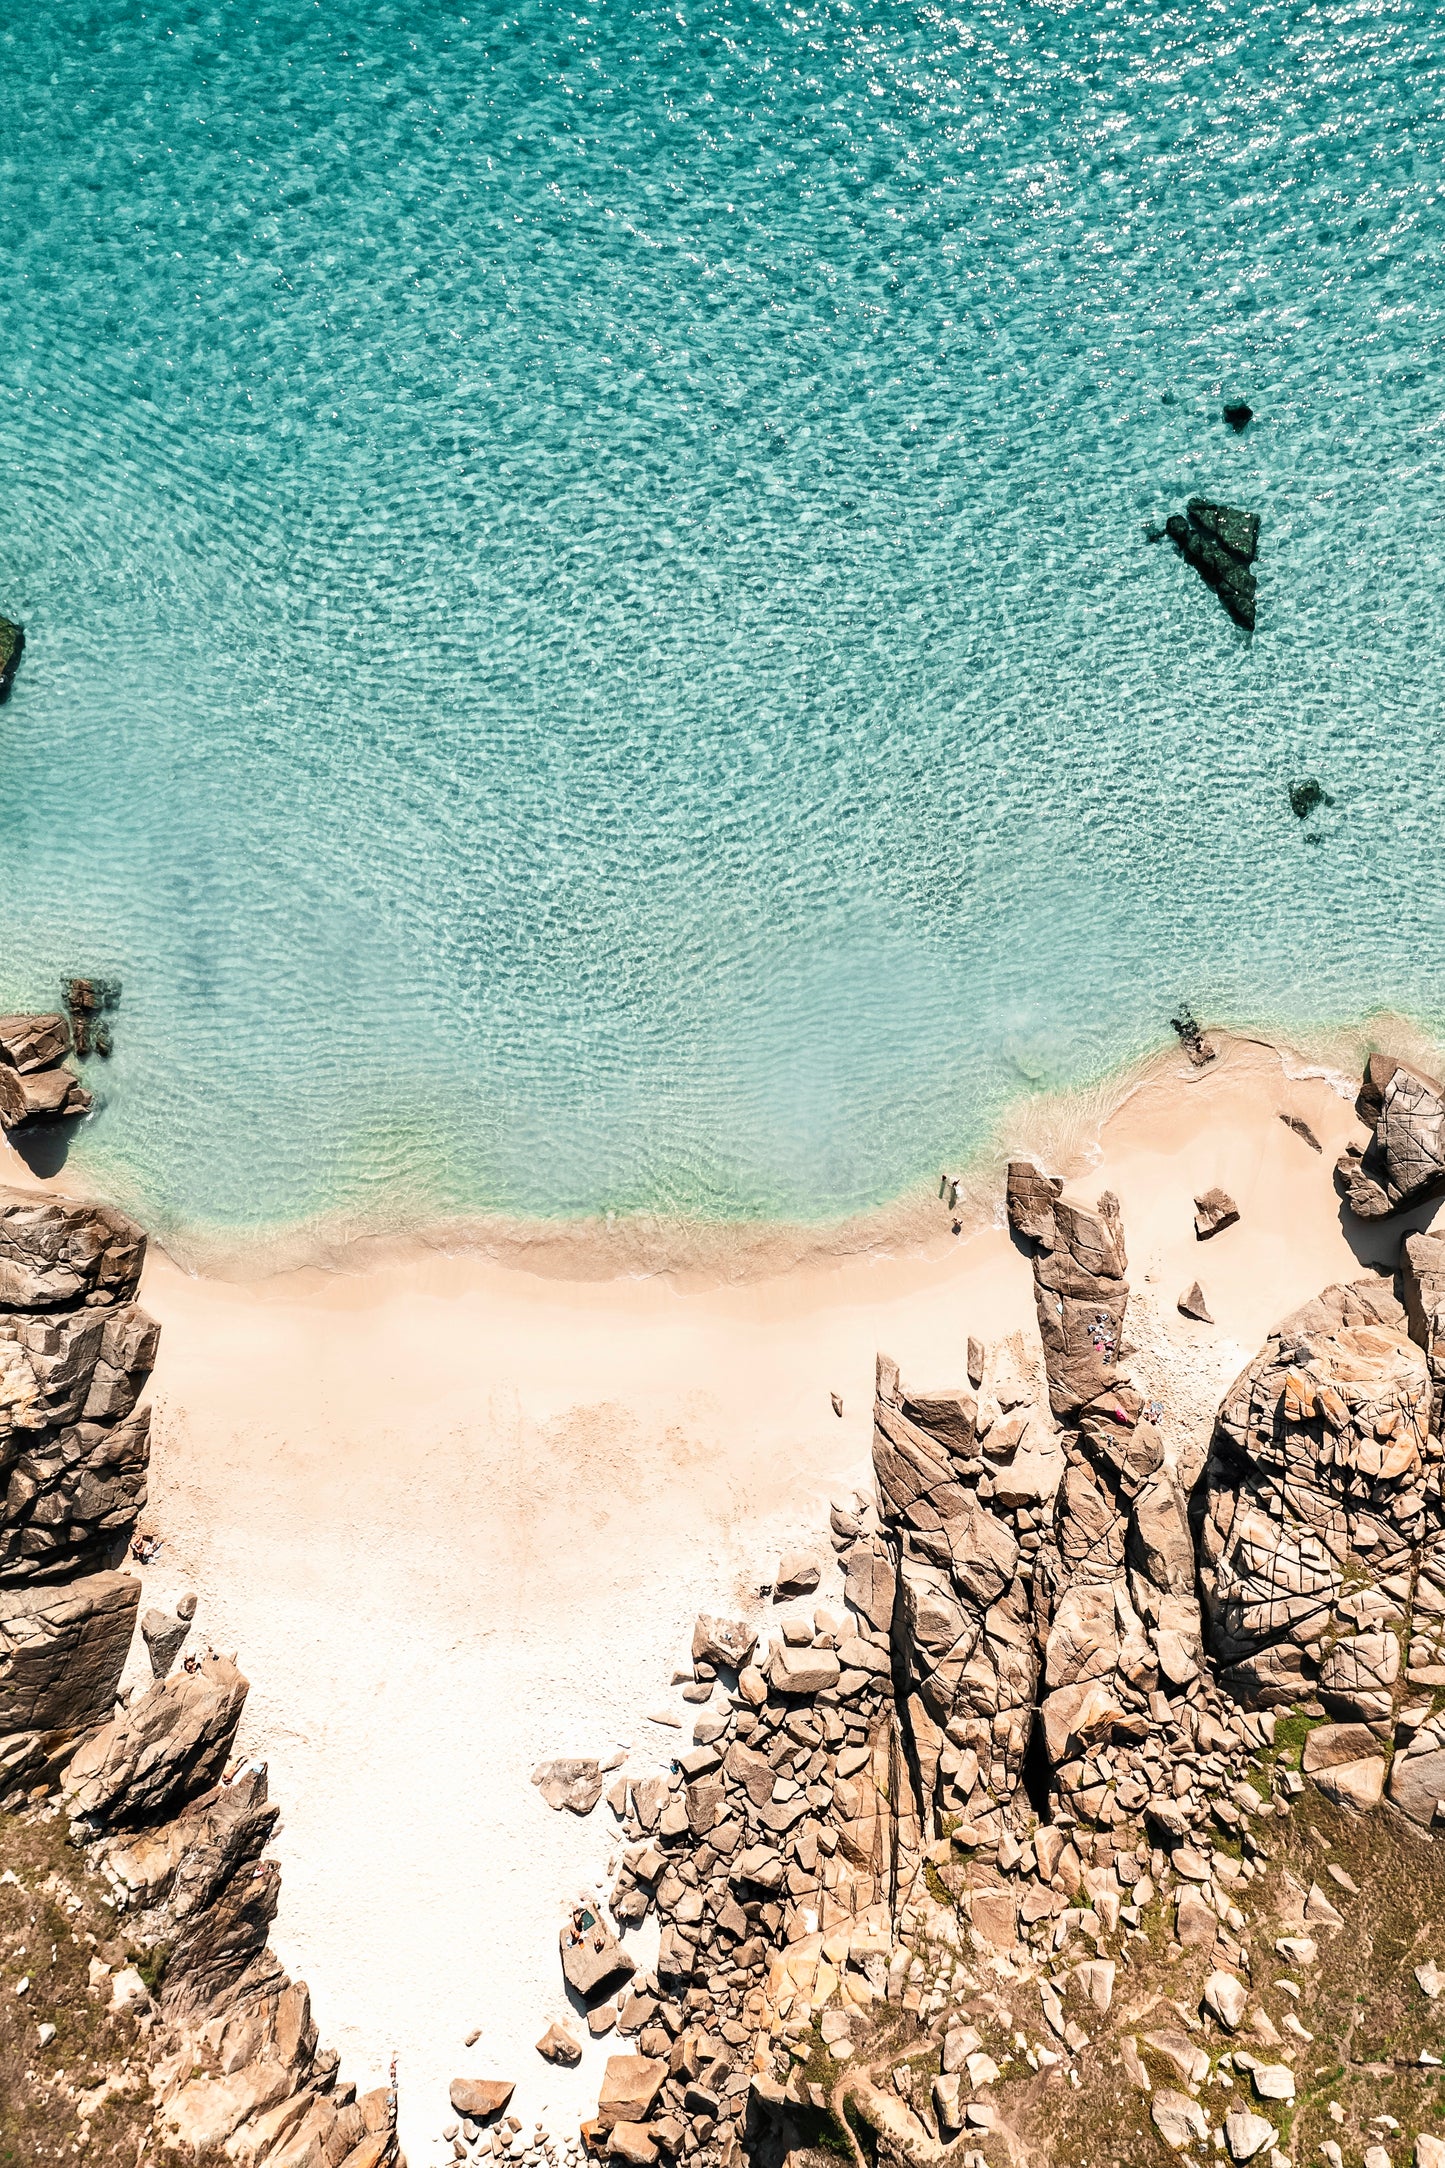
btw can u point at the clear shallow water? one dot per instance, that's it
(590, 638)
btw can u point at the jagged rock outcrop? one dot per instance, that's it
(169, 1744)
(1080, 1292)
(964, 1479)
(1221, 544)
(75, 1352)
(1404, 1162)
(62, 1650)
(177, 1827)
(54, 1253)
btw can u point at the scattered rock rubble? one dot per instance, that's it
(165, 1818)
(1404, 1162)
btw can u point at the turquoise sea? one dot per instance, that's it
(591, 642)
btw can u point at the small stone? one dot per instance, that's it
(804, 1671)
(1192, 1304)
(481, 2098)
(797, 1575)
(576, 1785)
(1431, 1979)
(632, 2142)
(1319, 1911)
(1273, 2081)
(837, 1400)
(1213, 1212)
(1429, 2152)
(602, 2019)
(1296, 1950)
(558, 2046)
(46, 2033)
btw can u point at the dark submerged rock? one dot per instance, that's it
(1306, 796)
(1238, 415)
(12, 647)
(1220, 543)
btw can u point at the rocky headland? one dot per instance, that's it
(1100, 1822)
(1095, 1819)
(144, 2016)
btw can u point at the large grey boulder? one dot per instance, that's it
(170, 1744)
(1322, 1449)
(62, 1650)
(1404, 1162)
(198, 1884)
(33, 1042)
(1080, 1291)
(71, 1497)
(163, 1634)
(41, 1095)
(54, 1252)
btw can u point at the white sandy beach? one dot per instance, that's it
(457, 1517)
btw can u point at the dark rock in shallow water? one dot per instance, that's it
(1238, 531)
(1237, 414)
(12, 647)
(1191, 1038)
(1220, 543)
(1306, 796)
(86, 1000)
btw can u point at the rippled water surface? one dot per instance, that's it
(591, 641)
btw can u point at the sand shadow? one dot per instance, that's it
(44, 1146)
(1378, 1244)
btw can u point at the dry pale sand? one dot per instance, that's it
(456, 1517)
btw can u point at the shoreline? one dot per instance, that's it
(1061, 1128)
(457, 1519)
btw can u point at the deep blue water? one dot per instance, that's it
(591, 642)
